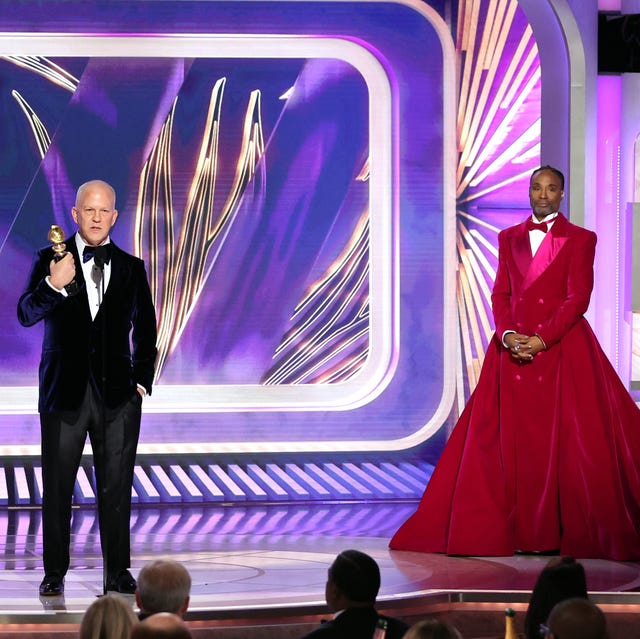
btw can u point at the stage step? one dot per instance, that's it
(189, 482)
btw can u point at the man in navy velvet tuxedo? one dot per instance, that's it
(97, 364)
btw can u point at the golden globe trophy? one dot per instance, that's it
(57, 237)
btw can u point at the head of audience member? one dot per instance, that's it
(576, 618)
(162, 625)
(110, 617)
(163, 586)
(562, 578)
(432, 629)
(353, 581)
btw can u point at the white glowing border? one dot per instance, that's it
(384, 283)
(373, 376)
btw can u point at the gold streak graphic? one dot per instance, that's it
(328, 341)
(46, 68)
(179, 274)
(40, 133)
(499, 83)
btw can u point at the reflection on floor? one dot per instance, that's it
(268, 559)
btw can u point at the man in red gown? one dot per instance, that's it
(546, 454)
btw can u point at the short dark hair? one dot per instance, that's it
(553, 170)
(356, 575)
(562, 578)
(577, 619)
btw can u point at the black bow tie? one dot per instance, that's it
(100, 254)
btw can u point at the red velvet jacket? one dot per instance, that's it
(549, 293)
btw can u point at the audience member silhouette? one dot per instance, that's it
(110, 617)
(162, 625)
(562, 578)
(575, 618)
(164, 585)
(432, 629)
(353, 582)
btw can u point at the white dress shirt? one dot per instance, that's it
(93, 277)
(536, 236)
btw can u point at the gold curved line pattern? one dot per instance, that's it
(352, 253)
(328, 341)
(155, 198)
(498, 74)
(178, 276)
(313, 355)
(45, 68)
(340, 299)
(40, 133)
(365, 172)
(499, 79)
(347, 370)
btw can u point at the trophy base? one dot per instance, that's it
(72, 288)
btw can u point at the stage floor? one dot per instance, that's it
(265, 557)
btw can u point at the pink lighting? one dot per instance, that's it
(607, 273)
(609, 5)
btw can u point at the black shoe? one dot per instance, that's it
(52, 586)
(538, 553)
(124, 583)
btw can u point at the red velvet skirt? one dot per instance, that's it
(545, 456)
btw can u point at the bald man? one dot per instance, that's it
(97, 364)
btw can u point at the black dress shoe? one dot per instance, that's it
(52, 586)
(123, 583)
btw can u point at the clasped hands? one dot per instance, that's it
(523, 347)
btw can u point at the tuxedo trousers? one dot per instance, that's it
(113, 434)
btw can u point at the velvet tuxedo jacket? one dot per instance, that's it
(74, 347)
(548, 293)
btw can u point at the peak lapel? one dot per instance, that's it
(521, 249)
(549, 249)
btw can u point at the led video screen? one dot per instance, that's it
(287, 187)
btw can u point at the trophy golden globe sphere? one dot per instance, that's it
(56, 237)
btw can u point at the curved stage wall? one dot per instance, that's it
(317, 198)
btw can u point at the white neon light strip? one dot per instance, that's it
(377, 370)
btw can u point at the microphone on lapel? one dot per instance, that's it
(96, 275)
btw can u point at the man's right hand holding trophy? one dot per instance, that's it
(62, 268)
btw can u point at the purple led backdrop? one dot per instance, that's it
(321, 314)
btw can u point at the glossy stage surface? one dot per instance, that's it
(268, 562)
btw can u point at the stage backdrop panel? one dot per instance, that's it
(288, 177)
